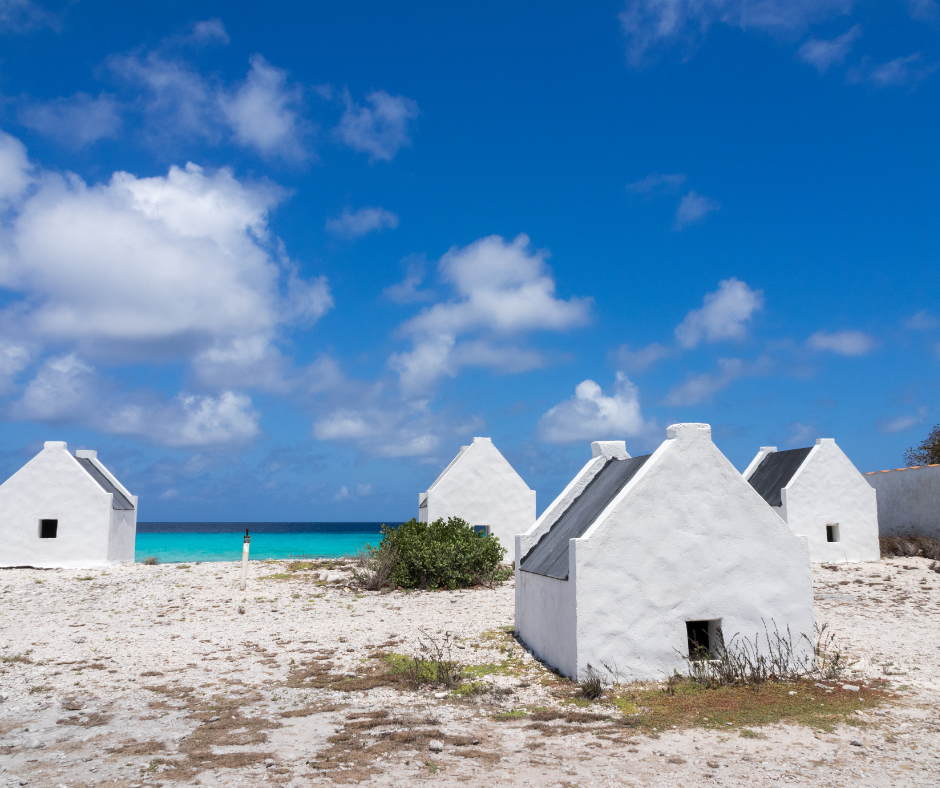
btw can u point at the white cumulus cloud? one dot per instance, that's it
(724, 314)
(16, 172)
(656, 182)
(922, 321)
(77, 120)
(591, 415)
(648, 24)
(353, 224)
(902, 423)
(174, 267)
(67, 389)
(693, 208)
(392, 428)
(845, 343)
(380, 129)
(21, 16)
(500, 290)
(639, 360)
(901, 71)
(699, 388)
(265, 112)
(823, 53)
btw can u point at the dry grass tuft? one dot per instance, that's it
(92, 720)
(151, 747)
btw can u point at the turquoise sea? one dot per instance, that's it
(184, 542)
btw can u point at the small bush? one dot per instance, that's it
(909, 547)
(591, 683)
(374, 566)
(151, 560)
(434, 663)
(442, 554)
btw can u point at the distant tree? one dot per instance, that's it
(928, 453)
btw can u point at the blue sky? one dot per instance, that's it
(279, 263)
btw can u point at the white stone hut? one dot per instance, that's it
(640, 560)
(908, 500)
(822, 496)
(66, 511)
(481, 487)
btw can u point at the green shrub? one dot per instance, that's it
(442, 554)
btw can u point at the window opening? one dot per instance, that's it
(482, 530)
(832, 532)
(48, 529)
(704, 637)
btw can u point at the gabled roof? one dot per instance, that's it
(775, 471)
(463, 450)
(119, 500)
(549, 557)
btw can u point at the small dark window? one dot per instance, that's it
(832, 533)
(482, 530)
(48, 529)
(699, 645)
(704, 638)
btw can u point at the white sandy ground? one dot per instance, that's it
(91, 637)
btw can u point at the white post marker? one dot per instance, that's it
(244, 583)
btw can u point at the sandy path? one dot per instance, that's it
(172, 685)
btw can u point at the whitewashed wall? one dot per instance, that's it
(545, 619)
(908, 500)
(54, 486)
(687, 539)
(545, 606)
(481, 487)
(828, 490)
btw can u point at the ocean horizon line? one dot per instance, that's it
(261, 527)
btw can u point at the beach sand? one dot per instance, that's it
(151, 676)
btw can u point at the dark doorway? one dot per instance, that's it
(48, 529)
(832, 533)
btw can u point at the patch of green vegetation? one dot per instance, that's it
(582, 702)
(278, 576)
(183, 566)
(514, 714)
(507, 667)
(301, 566)
(626, 706)
(747, 733)
(86, 578)
(443, 554)
(687, 704)
(397, 663)
(433, 768)
(469, 689)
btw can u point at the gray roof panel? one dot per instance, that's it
(775, 471)
(549, 557)
(119, 501)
